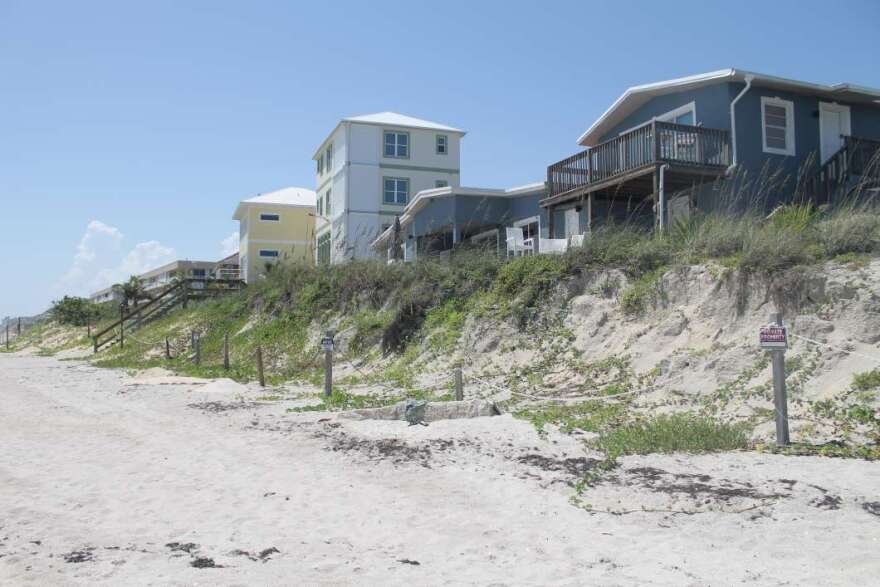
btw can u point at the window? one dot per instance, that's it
(397, 144)
(268, 253)
(777, 126)
(329, 158)
(441, 183)
(266, 217)
(198, 272)
(396, 190)
(442, 144)
(321, 164)
(327, 204)
(320, 206)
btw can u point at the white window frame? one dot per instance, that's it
(278, 219)
(261, 254)
(329, 158)
(396, 133)
(321, 164)
(445, 144)
(327, 206)
(788, 105)
(437, 183)
(395, 202)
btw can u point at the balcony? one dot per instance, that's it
(627, 164)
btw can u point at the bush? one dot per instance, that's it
(867, 380)
(75, 311)
(682, 432)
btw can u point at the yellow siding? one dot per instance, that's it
(293, 236)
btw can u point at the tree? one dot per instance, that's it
(75, 311)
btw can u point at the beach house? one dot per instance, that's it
(368, 169)
(274, 226)
(665, 149)
(160, 277)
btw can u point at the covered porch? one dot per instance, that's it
(633, 174)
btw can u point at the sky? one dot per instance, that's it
(130, 130)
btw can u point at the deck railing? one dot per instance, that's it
(657, 142)
(857, 157)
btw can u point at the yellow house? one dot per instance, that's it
(275, 226)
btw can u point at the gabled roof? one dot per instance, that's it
(290, 196)
(395, 119)
(636, 96)
(424, 197)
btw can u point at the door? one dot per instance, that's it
(834, 124)
(572, 222)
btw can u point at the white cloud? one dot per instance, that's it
(229, 245)
(100, 260)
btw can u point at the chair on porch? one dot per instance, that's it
(517, 243)
(576, 240)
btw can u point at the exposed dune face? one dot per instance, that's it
(114, 479)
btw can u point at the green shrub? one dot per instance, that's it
(640, 292)
(867, 380)
(681, 432)
(75, 311)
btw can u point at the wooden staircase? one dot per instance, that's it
(177, 294)
(856, 166)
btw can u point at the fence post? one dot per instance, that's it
(198, 348)
(327, 345)
(167, 349)
(89, 329)
(7, 336)
(18, 330)
(226, 351)
(121, 326)
(779, 398)
(260, 367)
(459, 385)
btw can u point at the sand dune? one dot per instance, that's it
(107, 479)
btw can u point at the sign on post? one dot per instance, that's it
(327, 346)
(774, 338)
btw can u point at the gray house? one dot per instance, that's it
(436, 220)
(665, 149)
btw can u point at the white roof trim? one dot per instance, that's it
(289, 197)
(608, 118)
(422, 198)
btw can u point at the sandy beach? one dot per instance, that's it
(105, 478)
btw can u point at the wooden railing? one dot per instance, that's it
(176, 294)
(857, 157)
(651, 144)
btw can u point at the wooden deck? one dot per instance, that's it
(628, 164)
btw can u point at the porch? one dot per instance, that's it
(651, 160)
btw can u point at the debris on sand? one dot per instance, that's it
(872, 507)
(203, 562)
(407, 561)
(219, 407)
(187, 547)
(83, 555)
(433, 411)
(264, 555)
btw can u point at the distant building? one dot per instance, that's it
(227, 268)
(368, 169)
(273, 226)
(160, 277)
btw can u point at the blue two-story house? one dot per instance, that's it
(663, 149)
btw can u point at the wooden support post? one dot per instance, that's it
(95, 345)
(459, 385)
(780, 400)
(260, 367)
(121, 327)
(226, 351)
(167, 349)
(327, 344)
(18, 329)
(197, 358)
(7, 336)
(551, 224)
(89, 329)
(192, 340)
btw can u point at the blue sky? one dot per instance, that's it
(130, 130)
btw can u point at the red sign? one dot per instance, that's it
(773, 336)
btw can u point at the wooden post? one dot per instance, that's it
(7, 336)
(551, 225)
(167, 349)
(226, 351)
(780, 400)
(121, 327)
(95, 345)
(197, 358)
(327, 343)
(192, 340)
(18, 330)
(89, 329)
(260, 367)
(459, 385)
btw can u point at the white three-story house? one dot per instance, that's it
(367, 170)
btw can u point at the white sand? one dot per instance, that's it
(93, 469)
